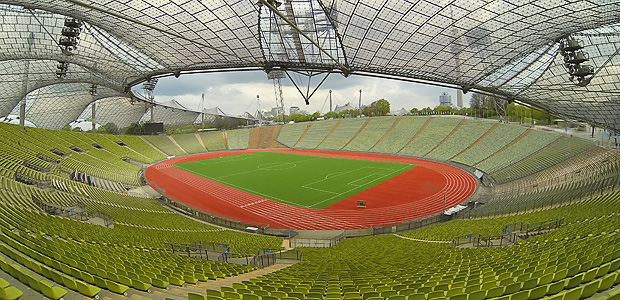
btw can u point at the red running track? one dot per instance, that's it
(416, 193)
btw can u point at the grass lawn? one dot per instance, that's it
(295, 179)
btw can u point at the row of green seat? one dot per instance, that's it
(371, 134)
(342, 134)
(163, 143)
(315, 134)
(238, 139)
(189, 142)
(435, 132)
(213, 140)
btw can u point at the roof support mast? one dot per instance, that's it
(289, 18)
(267, 3)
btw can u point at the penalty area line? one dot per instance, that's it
(395, 171)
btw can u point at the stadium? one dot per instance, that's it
(429, 206)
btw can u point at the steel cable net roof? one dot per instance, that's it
(509, 48)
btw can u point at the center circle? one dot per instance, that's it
(276, 166)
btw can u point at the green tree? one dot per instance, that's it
(297, 118)
(110, 128)
(330, 114)
(134, 128)
(443, 109)
(382, 107)
(101, 130)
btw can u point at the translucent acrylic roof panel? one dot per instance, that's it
(118, 110)
(504, 47)
(171, 117)
(282, 42)
(216, 118)
(68, 99)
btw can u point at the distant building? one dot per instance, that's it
(400, 112)
(459, 98)
(275, 111)
(295, 110)
(340, 108)
(445, 99)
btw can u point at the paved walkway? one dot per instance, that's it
(419, 240)
(217, 284)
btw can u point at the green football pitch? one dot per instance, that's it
(294, 179)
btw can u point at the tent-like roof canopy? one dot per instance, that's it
(560, 55)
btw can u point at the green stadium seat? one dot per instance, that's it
(590, 288)
(3, 283)
(614, 295)
(574, 294)
(51, 291)
(116, 287)
(196, 296)
(495, 292)
(232, 295)
(477, 295)
(607, 282)
(160, 283)
(589, 275)
(555, 287)
(10, 293)
(250, 297)
(87, 289)
(546, 279)
(512, 288)
(538, 292)
(416, 296)
(385, 294)
(570, 283)
(458, 297)
(521, 295)
(266, 293)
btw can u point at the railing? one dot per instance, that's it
(317, 243)
(108, 221)
(78, 212)
(210, 251)
(510, 234)
(48, 159)
(198, 251)
(35, 167)
(526, 230)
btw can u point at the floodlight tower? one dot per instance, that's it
(330, 101)
(360, 102)
(201, 109)
(258, 112)
(148, 88)
(22, 106)
(276, 76)
(93, 92)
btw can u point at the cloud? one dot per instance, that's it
(235, 92)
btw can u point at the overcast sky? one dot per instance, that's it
(235, 92)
